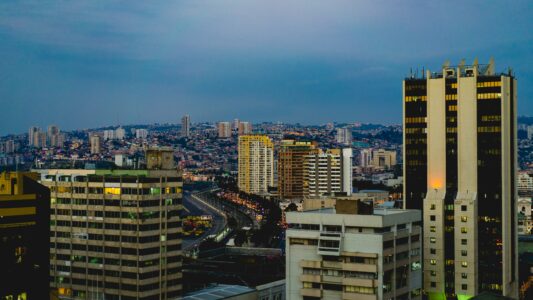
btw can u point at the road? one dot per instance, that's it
(198, 208)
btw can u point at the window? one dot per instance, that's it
(433, 228)
(464, 218)
(464, 275)
(433, 273)
(464, 286)
(464, 264)
(433, 251)
(463, 230)
(464, 253)
(432, 218)
(432, 207)
(432, 240)
(464, 241)
(433, 261)
(433, 284)
(463, 207)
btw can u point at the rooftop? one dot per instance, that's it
(221, 291)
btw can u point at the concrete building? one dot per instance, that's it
(186, 126)
(95, 144)
(344, 136)
(383, 159)
(328, 172)
(460, 169)
(115, 233)
(525, 223)
(354, 252)
(141, 134)
(245, 128)
(291, 164)
(224, 130)
(24, 232)
(120, 133)
(530, 132)
(32, 135)
(256, 163)
(330, 201)
(109, 134)
(365, 158)
(8, 147)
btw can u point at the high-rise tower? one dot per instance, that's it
(291, 165)
(185, 126)
(256, 163)
(460, 169)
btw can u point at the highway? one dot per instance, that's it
(194, 207)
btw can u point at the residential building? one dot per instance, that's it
(141, 134)
(255, 163)
(109, 134)
(328, 172)
(344, 136)
(186, 126)
(365, 157)
(115, 233)
(32, 135)
(354, 252)
(120, 133)
(530, 132)
(383, 159)
(24, 232)
(235, 124)
(8, 147)
(291, 164)
(95, 144)
(460, 169)
(224, 130)
(245, 128)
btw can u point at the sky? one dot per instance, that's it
(86, 64)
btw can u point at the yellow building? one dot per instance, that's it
(256, 163)
(24, 232)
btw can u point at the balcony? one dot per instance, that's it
(310, 278)
(310, 264)
(356, 296)
(311, 292)
(360, 267)
(329, 243)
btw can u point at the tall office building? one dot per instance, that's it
(460, 169)
(353, 252)
(186, 126)
(224, 130)
(291, 163)
(256, 163)
(344, 136)
(31, 135)
(245, 128)
(24, 232)
(328, 172)
(115, 233)
(95, 144)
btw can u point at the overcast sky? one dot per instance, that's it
(83, 64)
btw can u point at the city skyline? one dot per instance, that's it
(90, 64)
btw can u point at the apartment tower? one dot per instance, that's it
(460, 169)
(291, 163)
(116, 233)
(186, 126)
(224, 130)
(256, 163)
(328, 172)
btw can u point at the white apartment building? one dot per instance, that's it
(338, 254)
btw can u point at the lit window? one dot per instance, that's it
(463, 230)
(433, 261)
(464, 264)
(432, 228)
(432, 207)
(433, 273)
(464, 218)
(112, 191)
(432, 240)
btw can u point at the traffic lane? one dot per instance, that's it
(197, 208)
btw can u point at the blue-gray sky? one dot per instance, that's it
(83, 64)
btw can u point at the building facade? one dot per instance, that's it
(115, 233)
(245, 128)
(344, 136)
(460, 169)
(291, 163)
(256, 163)
(95, 144)
(24, 232)
(328, 172)
(344, 253)
(224, 130)
(186, 126)
(383, 159)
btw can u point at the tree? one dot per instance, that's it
(291, 207)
